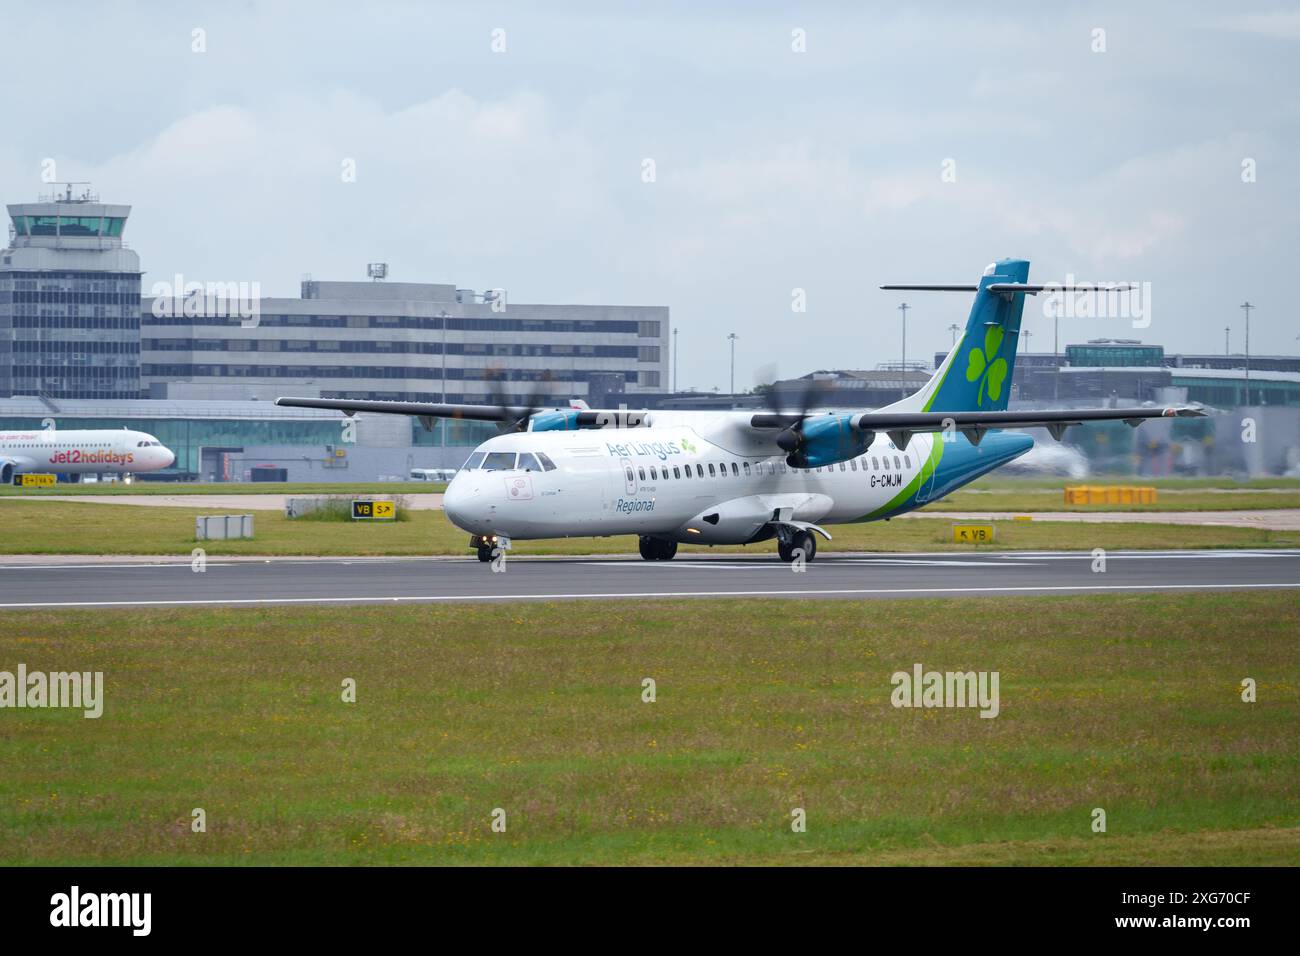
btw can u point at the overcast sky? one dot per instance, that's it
(774, 170)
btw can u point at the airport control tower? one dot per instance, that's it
(69, 300)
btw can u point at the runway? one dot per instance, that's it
(266, 581)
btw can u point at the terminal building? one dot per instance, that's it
(200, 364)
(406, 341)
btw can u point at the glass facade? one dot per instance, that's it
(1099, 355)
(458, 433)
(94, 226)
(70, 334)
(1231, 392)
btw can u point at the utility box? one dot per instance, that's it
(297, 507)
(268, 473)
(220, 527)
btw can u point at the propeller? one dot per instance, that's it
(515, 418)
(791, 438)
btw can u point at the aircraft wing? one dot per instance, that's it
(473, 413)
(507, 417)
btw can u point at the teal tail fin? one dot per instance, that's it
(976, 375)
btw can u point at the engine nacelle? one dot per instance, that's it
(561, 421)
(823, 440)
(6, 472)
(567, 420)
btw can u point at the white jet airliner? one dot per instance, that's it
(80, 451)
(744, 477)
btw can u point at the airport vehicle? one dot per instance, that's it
(741, 477)
(79, 452)
(432, 474)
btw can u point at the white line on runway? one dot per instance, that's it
(810, 592)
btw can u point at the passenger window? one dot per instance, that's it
(630, 476)
(854, 464)
(843, 467)
(907, 460)
(528, 463)
(676, 472)
(875, 464)
(735, 472)
(699, 471)
(897, 463)
(499, 461)
(711, 471)
(747, 469)
(641, 472)
(885, 459)
(722, 470)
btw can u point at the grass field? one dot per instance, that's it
(1130, 704)
(57, 527)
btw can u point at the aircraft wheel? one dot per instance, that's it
(805, 542)
(656, 549)
(485, 553)
(786, 551)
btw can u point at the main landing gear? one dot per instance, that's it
(657, 549)
(802, 541)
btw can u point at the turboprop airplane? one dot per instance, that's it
(741, 477)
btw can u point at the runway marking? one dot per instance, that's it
(838, 562)
(810, 592)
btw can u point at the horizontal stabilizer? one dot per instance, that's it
(930, 288)
(1025, 287)
(1029, 289)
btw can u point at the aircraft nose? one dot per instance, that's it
(459, 501)
(169, 458)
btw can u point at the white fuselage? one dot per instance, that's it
(696, 478)
(81, 451)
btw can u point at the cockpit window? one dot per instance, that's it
(528, 462)
(546, 462)
(499, 461)
(475, 460)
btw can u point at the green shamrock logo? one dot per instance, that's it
(990, 371)
(687, 445)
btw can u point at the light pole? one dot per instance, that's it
(954, 329)
(1056, 353)
(1227, 340)
(1026, 333)
(903, 307)
(442, 425)
(733, 338)
(673, 386)
(1246, 307)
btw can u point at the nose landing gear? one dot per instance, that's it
(485, 545)
(657, 549)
